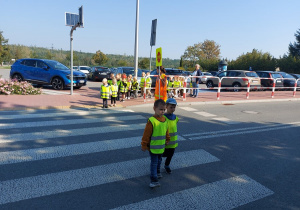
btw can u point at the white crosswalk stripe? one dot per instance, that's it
(224, 194)
(31, 187)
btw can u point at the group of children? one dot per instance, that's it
(160, 138)
(174, 85)
(126, 86)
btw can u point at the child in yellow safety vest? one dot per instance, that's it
(182, 80)
(122, 87)
(142, 83)
(172, 120)
(113, 92)
(176, 86)
(135, 87)
(128, 88)
(156, 136)
(170, 87)
(104, 92)
(148, 85)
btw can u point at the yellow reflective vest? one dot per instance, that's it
(105, 91)
(172, 125)
(114, 90)
(158, 138)
(142, 83)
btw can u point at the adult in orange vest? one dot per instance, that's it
(161, 84)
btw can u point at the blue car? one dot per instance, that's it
(46, 72)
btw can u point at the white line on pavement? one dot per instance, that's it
(238, 129)
(224, 194)
(42, 185)
(205, 114)
(69, 150)
(188, 109)
(67, 133)
(70, 122)
(65, 112)
(225, 120)
(245, 132)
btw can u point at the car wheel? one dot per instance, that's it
(57, 83)
(17, 77)
(209, 84)
(236, 87)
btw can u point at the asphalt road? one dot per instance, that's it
(243, 156)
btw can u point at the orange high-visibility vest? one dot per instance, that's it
(163, 90)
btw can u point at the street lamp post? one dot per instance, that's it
(136, 46)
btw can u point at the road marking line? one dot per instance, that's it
(188, 109)
(225, 120)
(205, 114)
(238, 129)
(42, 185)
(70, 150)
(67, 133)
(69, 122)
(224, 194)
(29, 114)
(214, 135)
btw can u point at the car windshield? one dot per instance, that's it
(131, 71)
(276, 76)
(100, 68)
(84, 68)
(56, 65)
(284, 75)
(251, 74)
(173, 72)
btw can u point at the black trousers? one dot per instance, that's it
(105, 103)
(113, 100)
(168, 153)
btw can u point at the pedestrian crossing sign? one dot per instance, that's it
(158, 57)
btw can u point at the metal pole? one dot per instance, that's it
(71, 51)
(136, 38)
(150, 58)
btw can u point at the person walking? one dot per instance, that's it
(156, 136)
(161, 85)
(142, 84)
(196, 80)
(172, 120)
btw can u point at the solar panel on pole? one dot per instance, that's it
(153, 32)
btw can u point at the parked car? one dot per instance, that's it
(266, 78)
(297, 76)
(236, 83)
(169, 71)
(214, 73)
(46, 72)
(127, 71)
(289, 80)
(99, 73)
(204, 78)
(83, 69)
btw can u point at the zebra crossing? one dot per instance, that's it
(67, 135)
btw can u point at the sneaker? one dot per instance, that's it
(159, 175)
(168, 170)
(154, 184)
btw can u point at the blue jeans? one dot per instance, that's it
(195, 91)
(155, 166)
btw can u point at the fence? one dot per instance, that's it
(247, 81)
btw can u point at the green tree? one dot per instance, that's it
(294, 49)
(144, 63)
(4, 48)
(207, 50)
(255, 59)
(100, 58)
(122, 63)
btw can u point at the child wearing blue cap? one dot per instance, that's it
(172, 120)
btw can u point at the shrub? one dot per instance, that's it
(14, 87)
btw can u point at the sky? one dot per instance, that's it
(238, 26)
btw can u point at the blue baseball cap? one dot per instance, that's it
(171, 101)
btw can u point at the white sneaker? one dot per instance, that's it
(154, 184)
